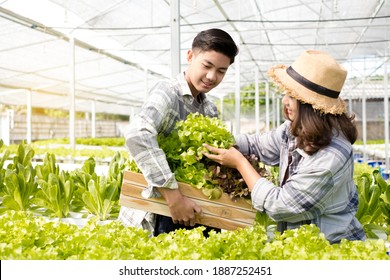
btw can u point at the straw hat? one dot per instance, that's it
(314, 78)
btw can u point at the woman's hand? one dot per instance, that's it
(229, 157)
(233, 158)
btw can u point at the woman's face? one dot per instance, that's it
(290, 107)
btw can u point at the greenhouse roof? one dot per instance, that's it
(122, 47)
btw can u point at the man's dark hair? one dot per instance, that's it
(216, 40)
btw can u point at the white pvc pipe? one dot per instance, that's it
(273, 109)
(237, 92)
(267, 111)
(29, 116)
(257, 102)
(72, 137)
(277, 111)
(364, 123)
(175, 37)
(93, 119)
(386, 113)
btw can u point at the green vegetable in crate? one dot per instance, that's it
(184, 151)
(183, 146)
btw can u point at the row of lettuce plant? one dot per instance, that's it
(49, 191)
(24, 236)
(56, 192)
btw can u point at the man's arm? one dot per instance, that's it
(143, 146)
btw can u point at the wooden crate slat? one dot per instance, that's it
(159, 207)
(134, 178)
(209, 207)
(222, 213)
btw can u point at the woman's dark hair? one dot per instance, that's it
(314, 130)
(216, 40)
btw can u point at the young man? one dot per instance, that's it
(213, 51)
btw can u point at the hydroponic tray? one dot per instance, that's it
(223, 213)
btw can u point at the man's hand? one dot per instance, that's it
(183, 210)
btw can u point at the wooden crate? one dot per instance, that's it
(222, 213)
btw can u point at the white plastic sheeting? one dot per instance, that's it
(124, 46)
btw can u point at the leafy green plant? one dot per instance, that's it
(3, 158)
(117, 165)
(55, 194)
(371, 191)
(99, 195)
(30, 237)
(64, 151)
(49, 166)
(81, 178)
(84, 141)
(20, 185)
(132, 166)
(385, 205)
(99, 198)
(183, 146)
(56, 188)
(184, 149)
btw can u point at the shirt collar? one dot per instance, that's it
(186, 88)
(302, 152)
(183, 83)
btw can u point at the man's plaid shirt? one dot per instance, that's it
(168, 102)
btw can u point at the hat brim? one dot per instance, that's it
(324, 104)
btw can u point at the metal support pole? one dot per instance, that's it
(237, 114)
(364, 123)
(93, 119)
(386, 113)
(72, 106)
(175, 37)
(29, 117)
(277, 111)
(221, 105)
(267, 111)
(257, 102)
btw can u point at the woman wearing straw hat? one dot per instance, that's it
(313, 149)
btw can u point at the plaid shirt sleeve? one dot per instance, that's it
(158, 115)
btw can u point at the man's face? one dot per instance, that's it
(206, 70)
